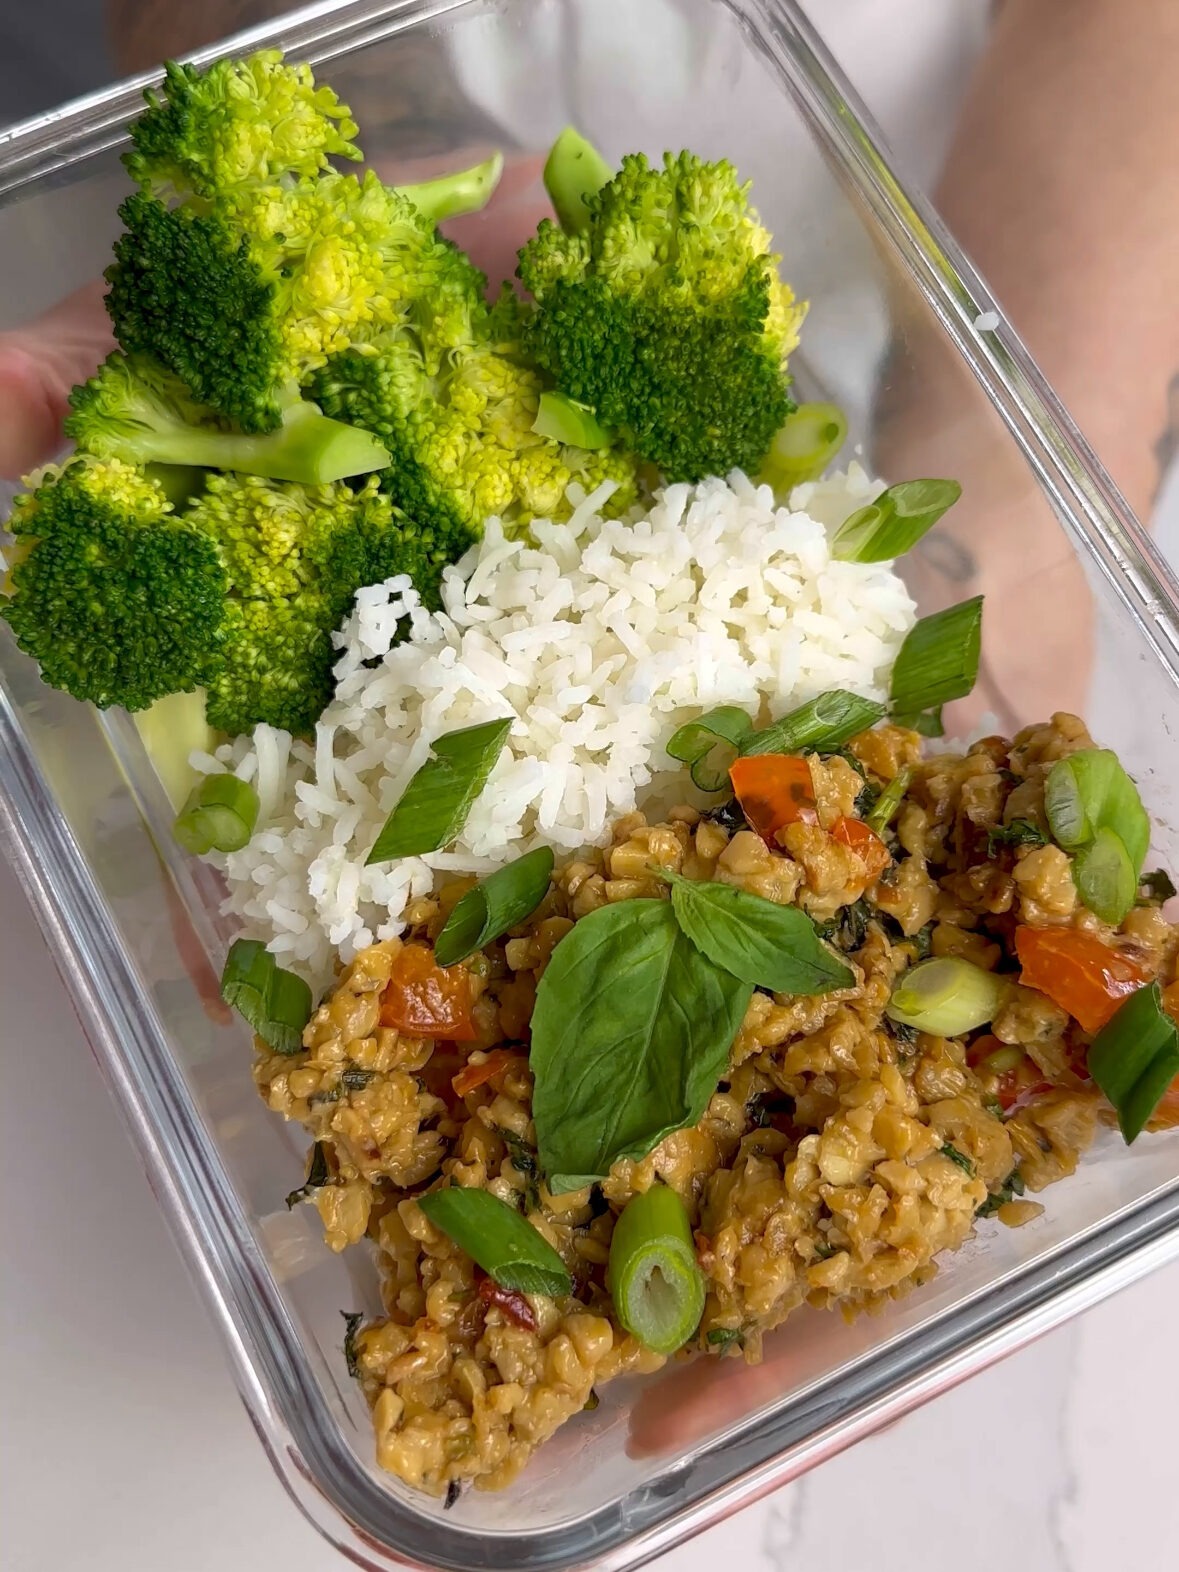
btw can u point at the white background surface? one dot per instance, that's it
(123, 1444)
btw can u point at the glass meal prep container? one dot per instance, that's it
(134, 925)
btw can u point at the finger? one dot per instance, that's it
(693, 1400)
(39, 364)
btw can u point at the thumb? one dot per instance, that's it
(39, 364)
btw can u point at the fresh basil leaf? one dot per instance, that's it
(819, 726)
(495, 905)
(1135, 1057)
(275, 1003)
(434, 806)
(937, 662)
(354, 1078)
(630, 1034)
(770, 946)
(497, 1238)
(722, 1337)
(1012, 1186)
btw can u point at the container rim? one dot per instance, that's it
(304, 1441)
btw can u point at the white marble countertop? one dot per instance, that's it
(123, 1444)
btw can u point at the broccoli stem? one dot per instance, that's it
(308, 448)
(567, 421)
(466, 191)
(574, 170)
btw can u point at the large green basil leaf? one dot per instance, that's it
(771, 946)
(630, 1035)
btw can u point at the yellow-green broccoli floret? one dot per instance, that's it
(117, 597)
(237, 123)
(660, 307)
(245, 260)
(461, 432)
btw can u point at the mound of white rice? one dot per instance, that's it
(599, 641)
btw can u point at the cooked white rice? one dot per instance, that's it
(599, 641)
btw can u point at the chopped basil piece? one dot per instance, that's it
(1020, 832)
(318, 1174)
(1012, 1186)
(352, 1321)
(958, 1157)
(1158, 885)
(724, 1337)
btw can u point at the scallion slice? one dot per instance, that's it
(710, 744)
(496, 904)
(806, 442)
(895, 522)
(937, 662)
(565, 420)
(497, 1238)
(946, 996)
(653, 1277)
(274, 1002)
(1094, 811)
(1134, 1059)
(819, 725)
(220, 815)
(885, 808)
(435, 804)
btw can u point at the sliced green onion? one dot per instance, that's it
(1105, 877)
(497, 1238)
(937, 662)
(220, 815)
(895, 522)
(710, 744)
(886, 806)
(653, 1277)
(496, 904)
(274, 1002)
(435, 804)
(565, 420)
(1134, 1059)
(819, 726)
(1095, 811)
(946, 996)
(574, 170)
(806, 442)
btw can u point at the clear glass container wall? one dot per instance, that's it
(1071, 589)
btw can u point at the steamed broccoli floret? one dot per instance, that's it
(117, 597)
(136, 411)
(245, 261)
(462, 433)
(237, 122)
(294, 558)
(661, 309)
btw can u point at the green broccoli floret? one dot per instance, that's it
(462, 433)
(294, 558)
(660, 308)
(245, 261)
(117, 597)
(136, 411)
(237, 122)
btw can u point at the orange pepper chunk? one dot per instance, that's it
(865, 842)
(423, 999)
(473, 1075)
(1078, 972)
(774, 790)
